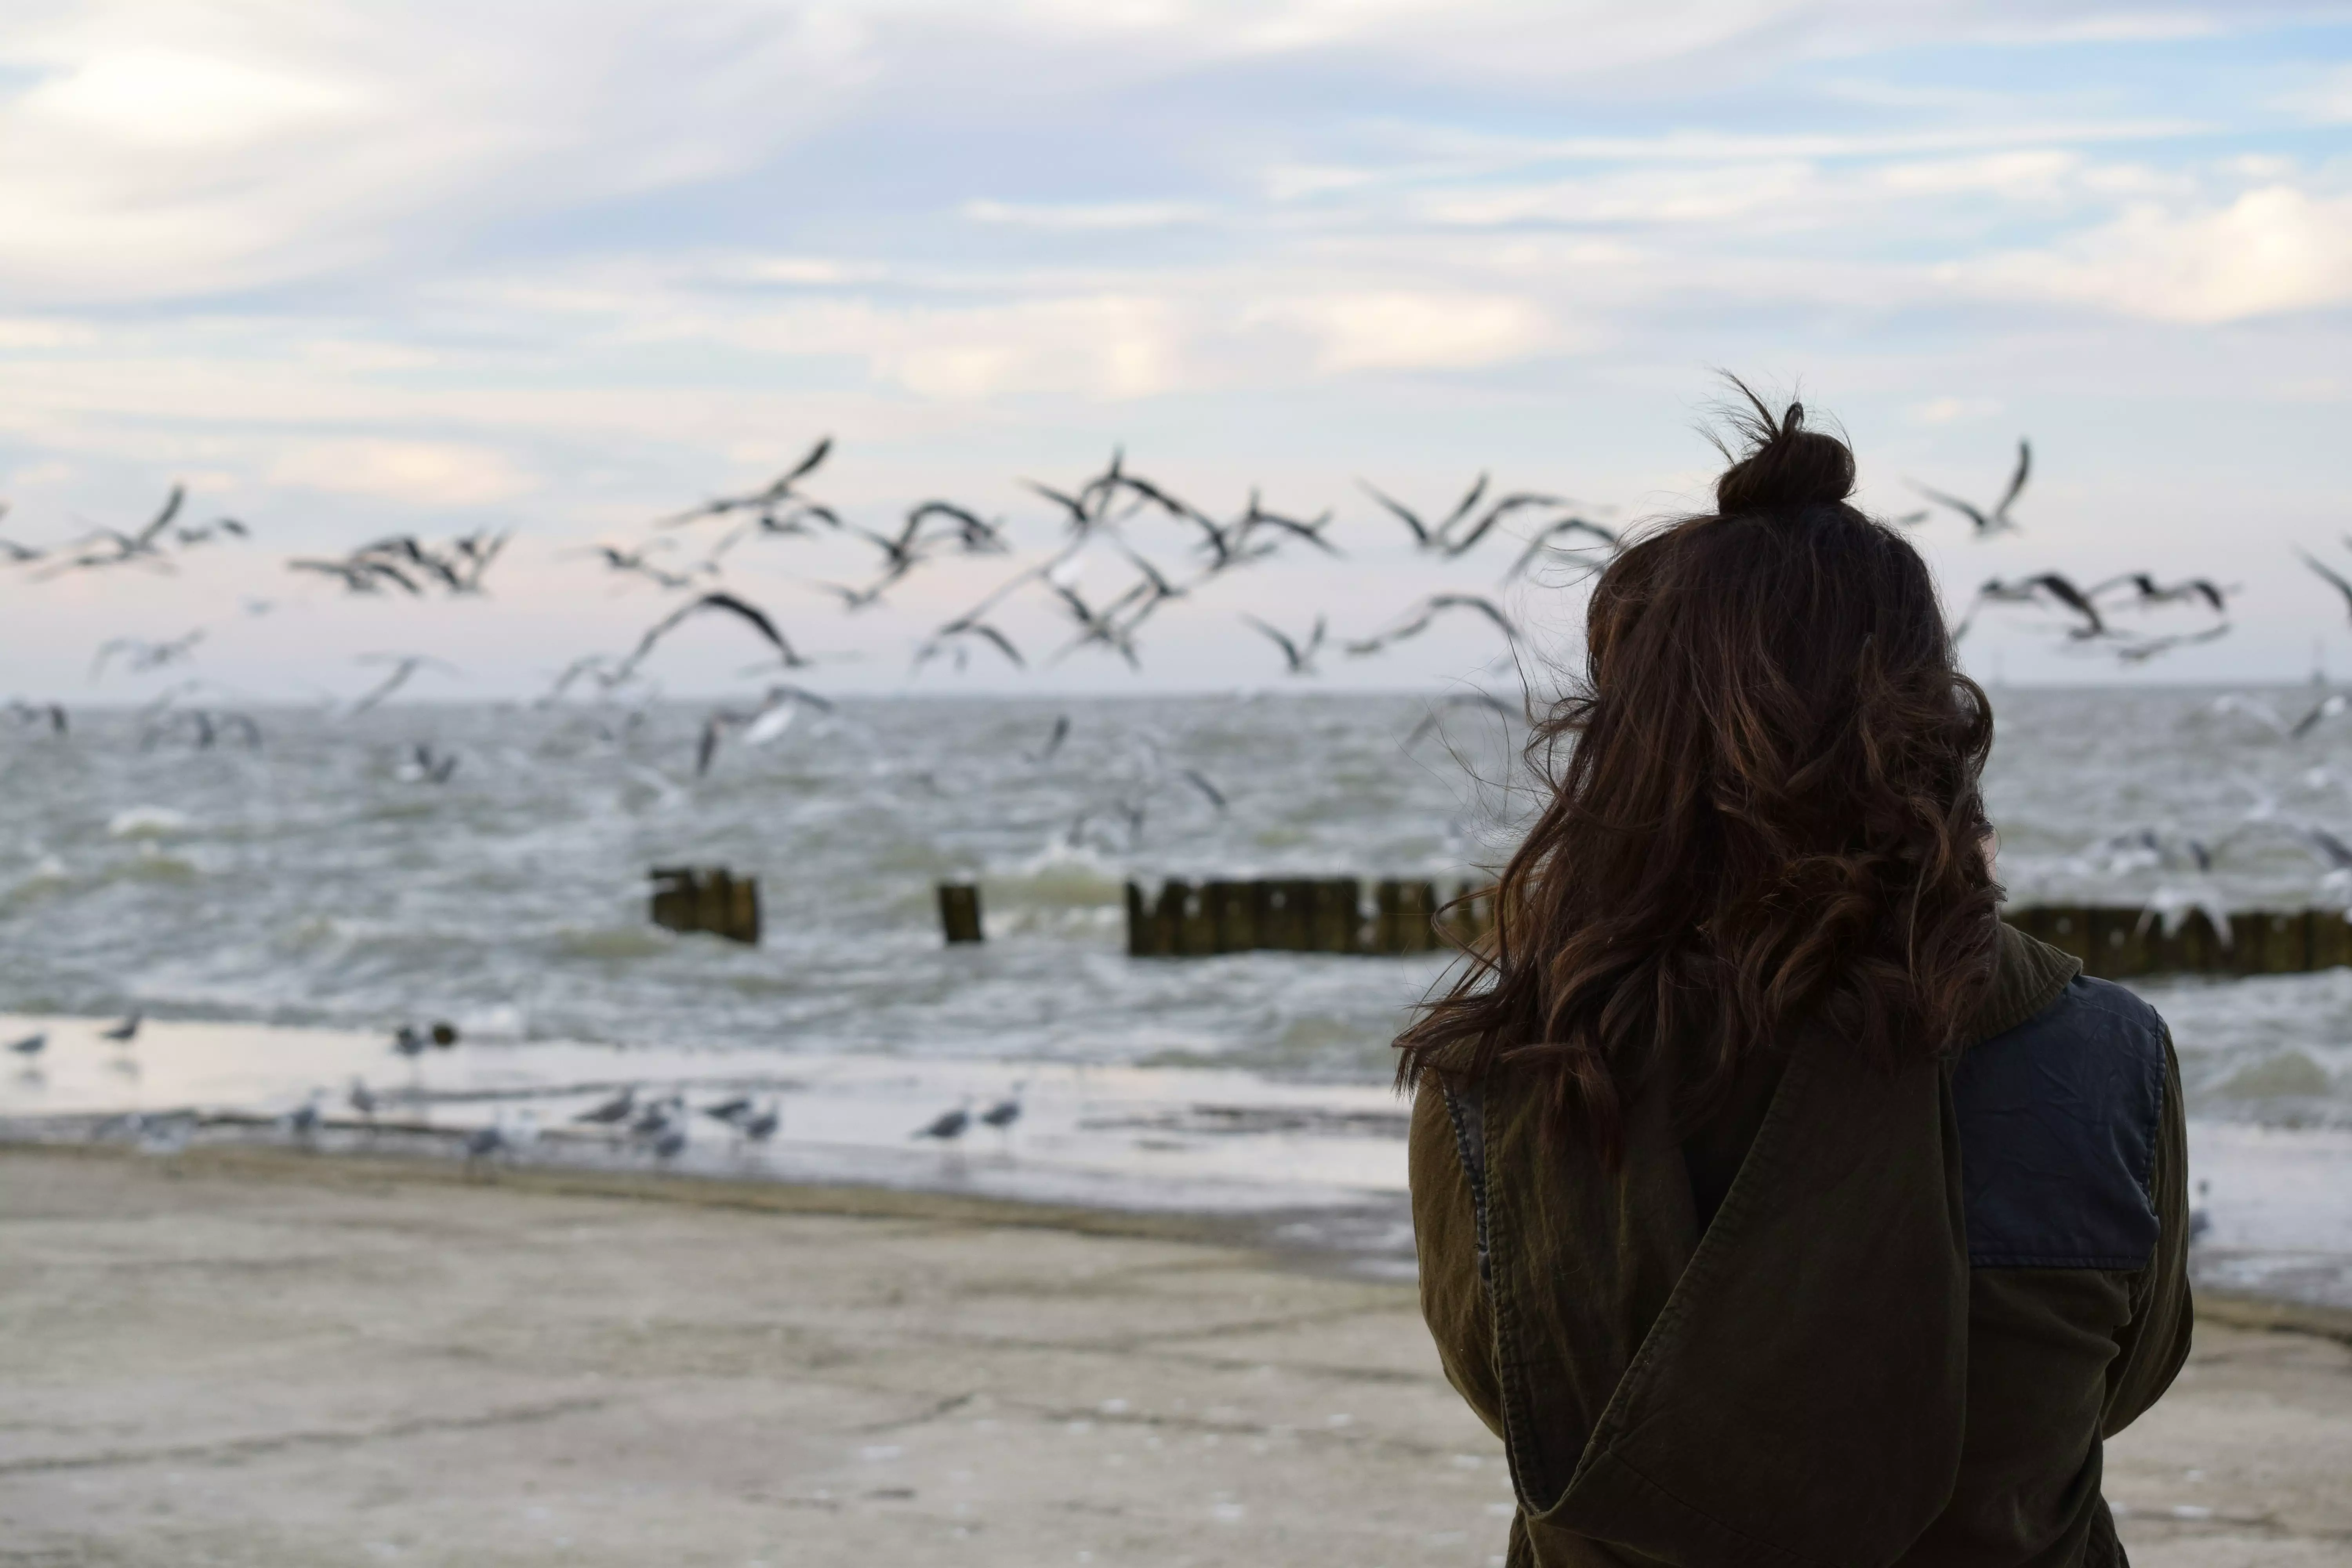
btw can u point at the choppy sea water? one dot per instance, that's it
(320, 881)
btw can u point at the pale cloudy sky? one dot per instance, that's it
(349, 268)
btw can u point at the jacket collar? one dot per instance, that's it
(2027, 976)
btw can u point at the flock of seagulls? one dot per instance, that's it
(656, 1125)
(1128, 548)
(2090, 611)
(29, 1050)
(1125, 549)
(411, 566)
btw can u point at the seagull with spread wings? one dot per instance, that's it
(1297, 654)
(1608, 541)
(765, 500)
(1996, 521)
(750, 615)
(1417, 620)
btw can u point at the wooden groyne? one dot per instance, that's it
(707, 899)
(1299, 914)
(1327, 914)
(2116, 942)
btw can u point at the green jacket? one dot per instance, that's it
(1925, 1299)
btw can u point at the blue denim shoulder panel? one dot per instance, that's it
(2059, 1120)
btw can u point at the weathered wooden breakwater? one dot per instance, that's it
(1299, 914)
(707, 898)
(1183, 919)
(2118, 942)
(1326, 914)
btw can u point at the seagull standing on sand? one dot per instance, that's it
(362, 1099)
(657, 1120)
(30, 1047)
(1006, 1111)
(125, 1032)
(762, 1124)
(611, 1112)
(484, 1143)
(302, 1121)
(947, 1125)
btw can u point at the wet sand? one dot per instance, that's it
(255, 1357)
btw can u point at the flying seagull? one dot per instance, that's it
(2341, 587)
(1053, 742)
(1997, 521)
(1430, 536)
(766, 499)
(1607, 540)
(1299, 656)
(404, 666)
(1417, 620)
(750, 615)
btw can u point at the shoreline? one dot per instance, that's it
(1315, 1241)
(1320, 1164)
(255, 1356)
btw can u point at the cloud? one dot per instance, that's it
(1081, 216)
(2276, 248)
(1953, 410)
(1398, 329)
(174, 150)
(423, 473)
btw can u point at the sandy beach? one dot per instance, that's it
(252, 1356)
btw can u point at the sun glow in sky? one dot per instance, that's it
(348, 269)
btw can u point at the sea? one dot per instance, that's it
(281, 907)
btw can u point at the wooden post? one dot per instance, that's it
(1150, 932)
(2269, 943)
(1404, 917)
(743, 912)
(2119, 942)
(1471, 914)
(1167, 914)
(674, 901)
(2067, 927)
(1281, 910)
(1337, 922)
(1233, 909)
(1196, 923)
(959, 912)
(2331, 938)
(2193, 947)
(1138, 924)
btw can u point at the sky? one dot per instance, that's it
(351, 269)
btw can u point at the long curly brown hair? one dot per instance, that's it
(1766, 814)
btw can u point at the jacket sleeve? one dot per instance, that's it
(2152, 1345)
(1445, 1239)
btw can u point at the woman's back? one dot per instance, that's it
(1807, 1216)
(1903, 1341)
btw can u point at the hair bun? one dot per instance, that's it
(1786, 467)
